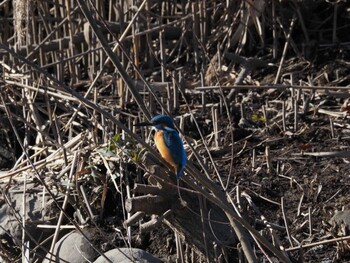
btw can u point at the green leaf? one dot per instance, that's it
(105, 152)
(116, 137)
(255, 117)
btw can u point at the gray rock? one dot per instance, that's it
(11, 213)
(8, 216)
(341, 217)
(72, 247)
(126, 255)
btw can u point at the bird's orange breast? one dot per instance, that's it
(163, 148)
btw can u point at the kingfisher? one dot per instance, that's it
(168, 142)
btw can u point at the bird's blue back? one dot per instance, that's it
(175, 145)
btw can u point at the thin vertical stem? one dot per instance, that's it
(285, 49)
(310, 221)
(284, 115)
(253, 159)
(296, 117)
(268, 159)
(274, 34)
(24, 219)
(332, 127)
(286, 222)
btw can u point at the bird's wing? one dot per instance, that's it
(175, 145)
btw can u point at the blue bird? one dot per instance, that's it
(168, 142)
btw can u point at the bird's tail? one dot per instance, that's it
(179, 172)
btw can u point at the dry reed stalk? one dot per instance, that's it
(288, 37)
